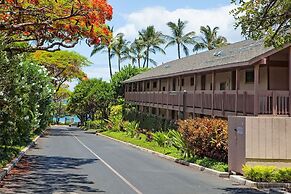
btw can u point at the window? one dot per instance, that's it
(182, 82)
(164, 88)
(155, 85)
(148, 85)
(222, 86)
(250, 76)
(192, 81)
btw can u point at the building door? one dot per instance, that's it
(174, 84)
(203, 82)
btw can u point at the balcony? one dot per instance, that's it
(216, 103)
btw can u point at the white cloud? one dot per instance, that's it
(159, 16)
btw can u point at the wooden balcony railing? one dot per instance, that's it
(240, 103)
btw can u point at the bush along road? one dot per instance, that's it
(72, 160)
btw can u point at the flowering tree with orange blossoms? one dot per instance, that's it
(53, 24)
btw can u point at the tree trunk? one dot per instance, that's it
(109, 62)
(148, 53)
(138, 61)
(119, 63)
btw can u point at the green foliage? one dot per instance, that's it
(179, 38)
(283, 175)
(90, 97)
(125, 73)
(206, 137)
(176, 140)
(209, 163)
(25, 99)
(147, 121)
(131, 128)
(264, 19)
(115, 120)
(266, 173)
(160, 138)
(97, 124)
(209, 39)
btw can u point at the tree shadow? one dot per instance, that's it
(240, 190)
(41, 174)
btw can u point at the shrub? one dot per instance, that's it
(131, 128)
(176, 140)
(205, 137)
(283, 175)
(148, 121)
(97, 124)
(115, 119)
(161, 138)
(267, 174)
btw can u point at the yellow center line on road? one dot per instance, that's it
(106, 164)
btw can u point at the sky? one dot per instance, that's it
(130, 16)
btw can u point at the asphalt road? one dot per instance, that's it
(68, 160)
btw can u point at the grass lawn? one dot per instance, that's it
(171, 151)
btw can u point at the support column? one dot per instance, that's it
(290, 81)
(159, 84)
(194, 94)
(256, 88)
(237, 87)
(213, 90)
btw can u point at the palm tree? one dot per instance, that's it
(209, 39)
(120, 48)
(105, 47)
(151, 40)
(179, 38)
(136, 52)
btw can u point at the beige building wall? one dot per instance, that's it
(278, 80)
(259, 141)
(164, 84)
(263, 81)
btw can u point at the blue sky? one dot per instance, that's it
(130, 16)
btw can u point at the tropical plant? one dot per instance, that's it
(264, 19)
(176, 140)
(206, 137)
(115, 120)
(151, 40)
(131, 128)
(49, 25)
(209, 39)
(161, 139)
(105, 46)
(179, 38)
(136, 52)
(120, 49)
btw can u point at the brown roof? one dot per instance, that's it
(234, 54)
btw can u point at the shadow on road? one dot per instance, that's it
(241, 191)
(41, 174)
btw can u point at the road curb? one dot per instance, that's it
(182, 162)
(5, 171)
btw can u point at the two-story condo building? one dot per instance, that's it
(244, 79)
